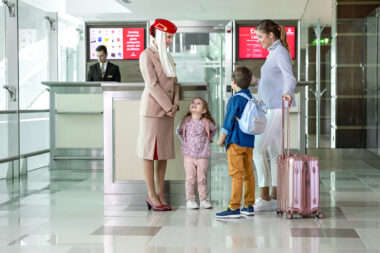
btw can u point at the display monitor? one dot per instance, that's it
(250, 48)
(122, 43)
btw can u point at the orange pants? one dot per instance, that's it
(241, 170)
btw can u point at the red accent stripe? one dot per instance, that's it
(155, 156)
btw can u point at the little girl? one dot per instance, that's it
(196, 132)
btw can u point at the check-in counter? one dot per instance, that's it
(124, 181)
(76, 125)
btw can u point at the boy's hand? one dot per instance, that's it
(254, 80)
(222, 140)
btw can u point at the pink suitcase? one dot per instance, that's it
(298, 180)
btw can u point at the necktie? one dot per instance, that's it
(102, 69)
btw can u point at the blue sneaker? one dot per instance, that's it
(247, 210)
(228, 214)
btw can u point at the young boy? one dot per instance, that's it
(239, 148)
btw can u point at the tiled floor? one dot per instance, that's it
(63, 211)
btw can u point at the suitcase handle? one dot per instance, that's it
(283, 126)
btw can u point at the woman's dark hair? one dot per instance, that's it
(206, 115)
(269, 26)
(101, 48)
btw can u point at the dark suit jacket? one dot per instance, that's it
(112, 73)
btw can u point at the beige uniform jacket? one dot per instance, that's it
(160, 92)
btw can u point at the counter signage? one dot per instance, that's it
(121, 43)
(250, 48)
(133, 42)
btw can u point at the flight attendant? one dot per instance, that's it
(159, 104)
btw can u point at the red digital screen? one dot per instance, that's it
(122, 43)
(133, 42)
(250, 48)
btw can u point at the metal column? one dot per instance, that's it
(317, 92)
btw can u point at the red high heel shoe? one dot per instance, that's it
(167, 207)
(152, 206)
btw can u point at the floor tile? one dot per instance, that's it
(362, 213)
(339, 232)
(120, 230)
(307, 232)
(63, 211)
(370, 237)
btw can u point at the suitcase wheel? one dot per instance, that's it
(289, 216)
(320, 215)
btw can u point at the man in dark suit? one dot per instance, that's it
(103, 70)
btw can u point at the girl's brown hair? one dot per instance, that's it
(269, 26)
(206, 115)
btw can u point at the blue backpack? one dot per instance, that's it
(253, 120)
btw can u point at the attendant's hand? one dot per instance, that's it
(170, 113)
(173, 111)
(254, 80)
(289, 98)
(175, 108)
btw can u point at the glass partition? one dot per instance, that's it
(200, 57)
(6, 122)
(33, 57)
(371, 82)
(34, 132)
(69, 39)
(310, 58)
(3, 94)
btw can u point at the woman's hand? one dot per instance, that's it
(289, 98)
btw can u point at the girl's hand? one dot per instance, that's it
(289, 98)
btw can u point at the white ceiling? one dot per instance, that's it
(117, 10)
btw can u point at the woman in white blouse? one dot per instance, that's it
(277, 82)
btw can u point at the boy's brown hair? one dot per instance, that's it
(242, 77)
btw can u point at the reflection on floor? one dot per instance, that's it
(324, 141)
(63, 211)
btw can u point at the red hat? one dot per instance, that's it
(163, 25)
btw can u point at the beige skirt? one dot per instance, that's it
(156, 131)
